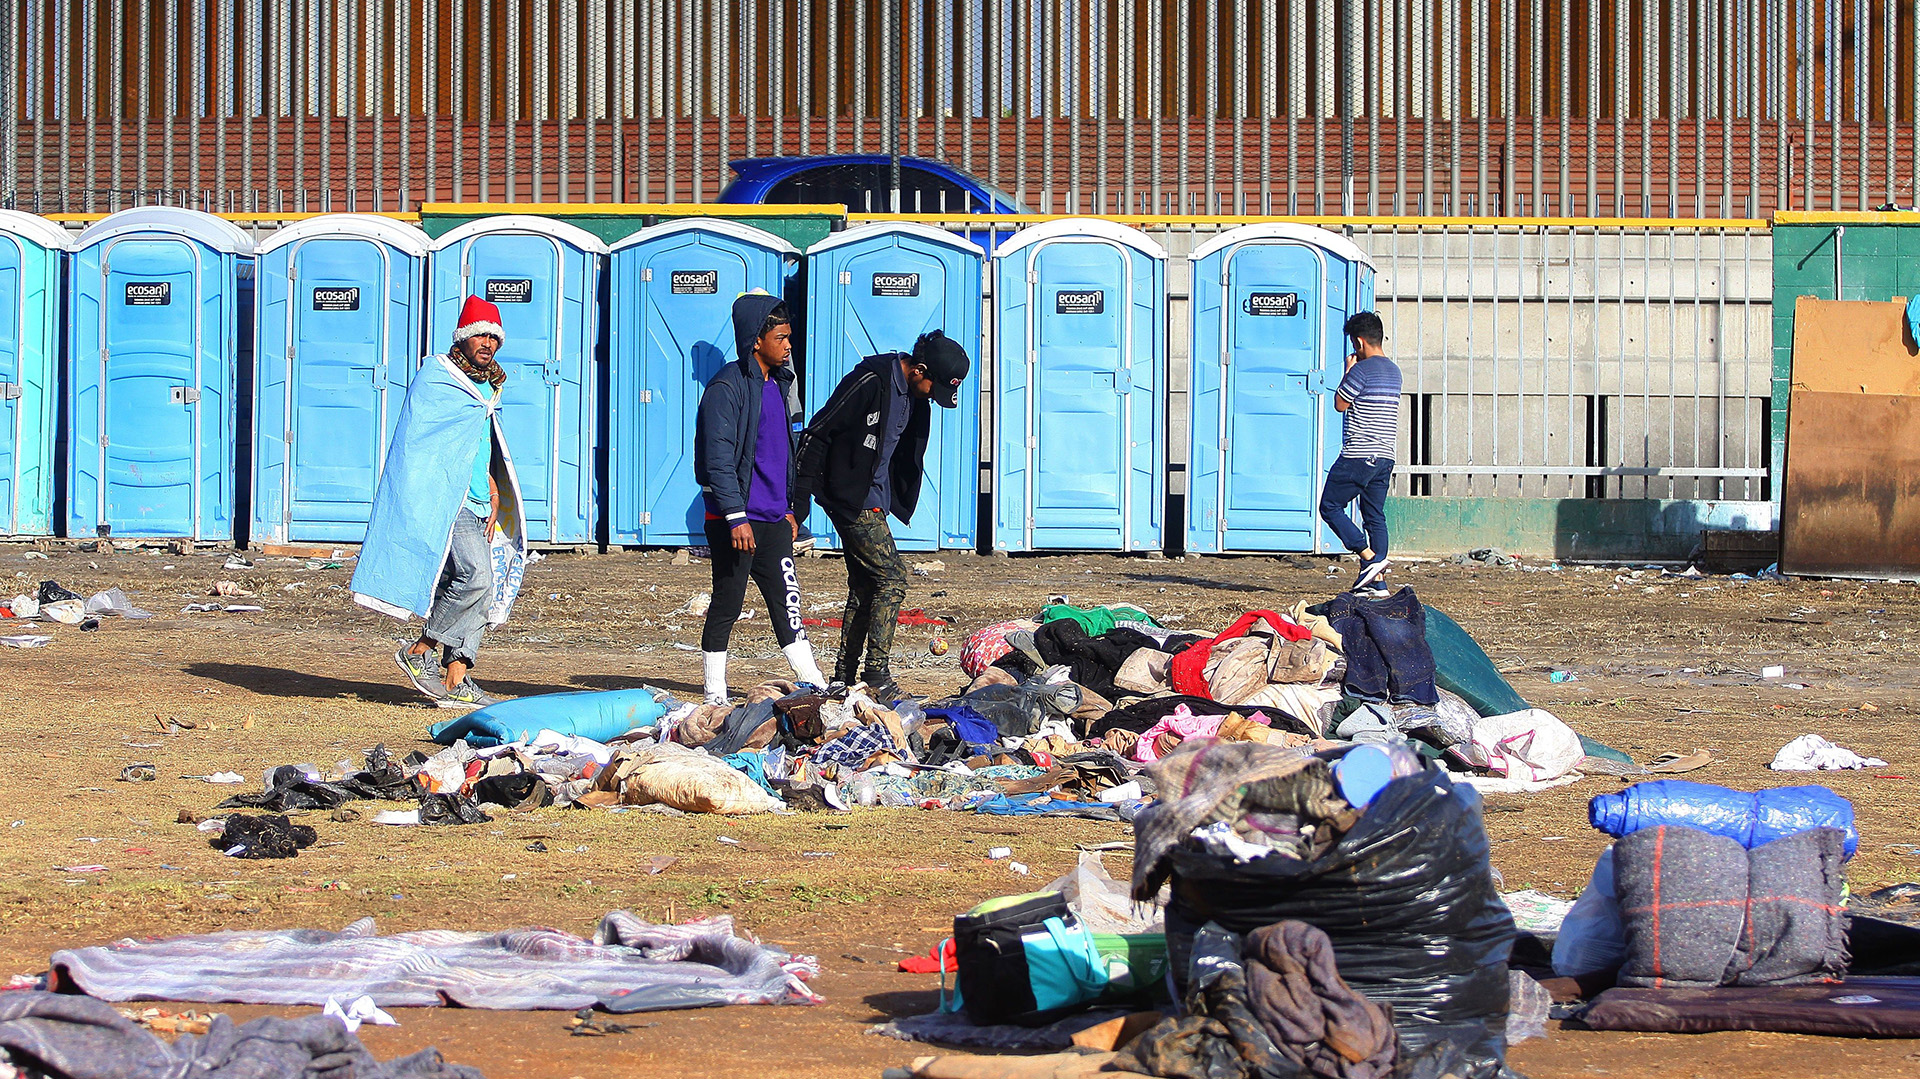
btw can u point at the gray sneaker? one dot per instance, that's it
(423, 672)
(465, 695)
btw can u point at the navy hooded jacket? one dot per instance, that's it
(727, 427)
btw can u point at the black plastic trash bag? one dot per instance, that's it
(1407, 898)
(1019, 710)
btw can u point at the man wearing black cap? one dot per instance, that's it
(863, 457)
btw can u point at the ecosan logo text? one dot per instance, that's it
(896, 284)
(149, 293)
(510, 290)
(696, 282)
(337, 299)
(1080, 303)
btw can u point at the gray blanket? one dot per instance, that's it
(1202, 781)
(66, 1037)
(1702, 911)
(630, 965)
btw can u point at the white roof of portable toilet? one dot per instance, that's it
(1080, 226)
(1286, 230)
(35, 228)
(544, 226)
(363, 226)
(221, 235)
(745, 233)
(857, 233)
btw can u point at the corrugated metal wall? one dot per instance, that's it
(1682, 108)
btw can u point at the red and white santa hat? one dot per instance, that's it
(478, 317)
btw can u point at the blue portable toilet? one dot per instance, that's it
(1080, 413)
(545, 275)
(155, 296)
(338, 330)
(670, 331)
(1269, 304)
(877, 288)
(30, 252)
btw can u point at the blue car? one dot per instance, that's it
(861, 183)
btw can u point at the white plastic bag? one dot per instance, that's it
(1103, 904)
(1532, 745)
(1593, 938)
(509, 572)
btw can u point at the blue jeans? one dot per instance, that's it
(1363, 478)
(1385, 641)
(458, 618)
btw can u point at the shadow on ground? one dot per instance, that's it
(283, 682)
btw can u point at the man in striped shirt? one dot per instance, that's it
(1369, 401)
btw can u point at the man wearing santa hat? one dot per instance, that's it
(446, 487)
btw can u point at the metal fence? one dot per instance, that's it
(1679, 108)
(1543, 359)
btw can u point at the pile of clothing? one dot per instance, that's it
(1063, 714)
(1373, 850)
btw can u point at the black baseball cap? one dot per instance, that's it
(946, 363)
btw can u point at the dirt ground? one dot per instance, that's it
(1661, 664)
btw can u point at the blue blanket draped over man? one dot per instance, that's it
(422, 487)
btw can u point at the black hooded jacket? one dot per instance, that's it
(840, 450)
(727, 427)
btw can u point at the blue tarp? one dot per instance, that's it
(422, 487)
(600, 716)
(1749, 819)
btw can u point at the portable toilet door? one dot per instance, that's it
(1266, 347)
(545, 276)
(339, 308)
(153, 343)
(875, 289)
(670, 331)
(30, 252)
(1080, 462)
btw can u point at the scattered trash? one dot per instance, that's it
(937, 646)
(263, 836)
(66, 611)
(928, 569)
(222, 778)
(1812, 753)
(24, 606)
(26, 640)
(229, 589)
(397, 816)
(114, 602)
(1775, 671)
(141, 772)
(165, 1022)
(682, 557)
(81, 868)
(1018, 867)
(360, 1011)
(1558, 677)
(1484, 556)
(1676, 763)
(1000, 852)
(727, 839)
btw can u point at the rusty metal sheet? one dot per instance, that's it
(1850, 500)
(1853, 346)
(1851, 503)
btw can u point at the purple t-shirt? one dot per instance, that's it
(767, 494)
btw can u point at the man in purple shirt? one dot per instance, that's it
(743, 459)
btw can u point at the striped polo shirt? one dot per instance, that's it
(1371, 389)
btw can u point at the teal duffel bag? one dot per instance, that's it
(1024, 959)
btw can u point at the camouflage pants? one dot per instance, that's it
(876, 586)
